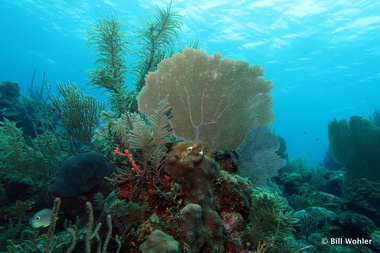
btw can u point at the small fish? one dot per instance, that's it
(41, 219)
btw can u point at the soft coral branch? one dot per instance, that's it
(126, 153)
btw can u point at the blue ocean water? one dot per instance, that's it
(322, 56)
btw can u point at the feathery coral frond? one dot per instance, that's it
(156, 38)
(152, 140)
(79, 113)
(111, 45)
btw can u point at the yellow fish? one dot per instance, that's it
(41, 219)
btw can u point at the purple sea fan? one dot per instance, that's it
(258, 160)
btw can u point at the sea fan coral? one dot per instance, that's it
(213, 100)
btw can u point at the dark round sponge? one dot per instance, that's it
(80, 174)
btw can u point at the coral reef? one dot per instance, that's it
(9, 93)
(192, 163)
(192, 224)
(158, 241)
(363, 196)
(177, 182)
(32, 144)
(25, 112)
(270, 220)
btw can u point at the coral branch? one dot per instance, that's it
(131, 160)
